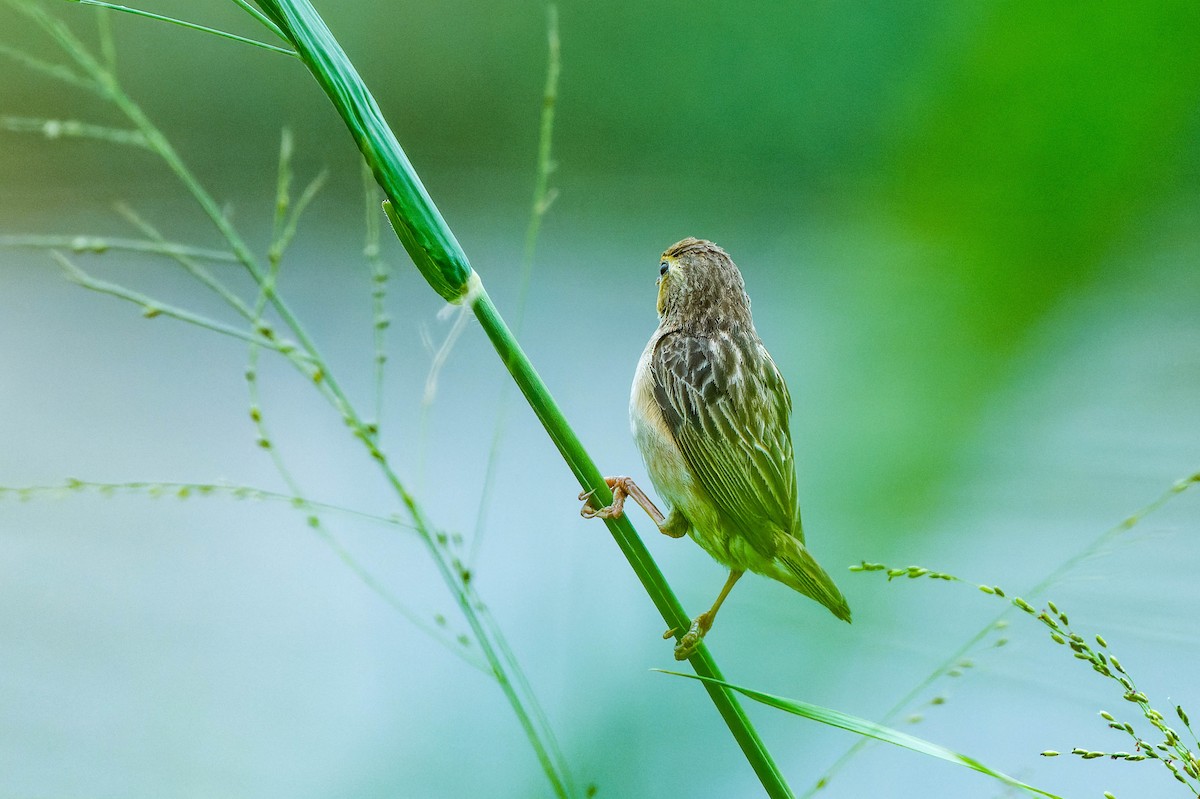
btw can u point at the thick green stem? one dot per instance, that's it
(436, 252)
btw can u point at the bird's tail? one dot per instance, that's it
(802, 572)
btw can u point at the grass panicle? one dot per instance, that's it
(949, 665)
(1179, 755)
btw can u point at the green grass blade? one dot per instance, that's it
(836, 718)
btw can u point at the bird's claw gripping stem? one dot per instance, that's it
(704, 622)
(692, 638)
(621, 488)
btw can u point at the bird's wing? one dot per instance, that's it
(728, 407)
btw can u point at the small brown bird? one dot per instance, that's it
(709, 412)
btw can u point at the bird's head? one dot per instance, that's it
(700, 288)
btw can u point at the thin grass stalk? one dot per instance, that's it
(189, 264)
(184, 490)
(70, 128)
(58, 72)
(543, 196)
(152, 307)
(437, 254)
(108, 45)
(137, 12)
(379, 278)
(490, 641)
(101, 244)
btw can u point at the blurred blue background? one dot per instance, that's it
(970, 235)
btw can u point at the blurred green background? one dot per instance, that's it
(970, 235)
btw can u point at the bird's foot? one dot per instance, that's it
(621, 488)
(613, 511)
(691, 639)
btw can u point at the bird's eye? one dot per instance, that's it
(662, 270)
